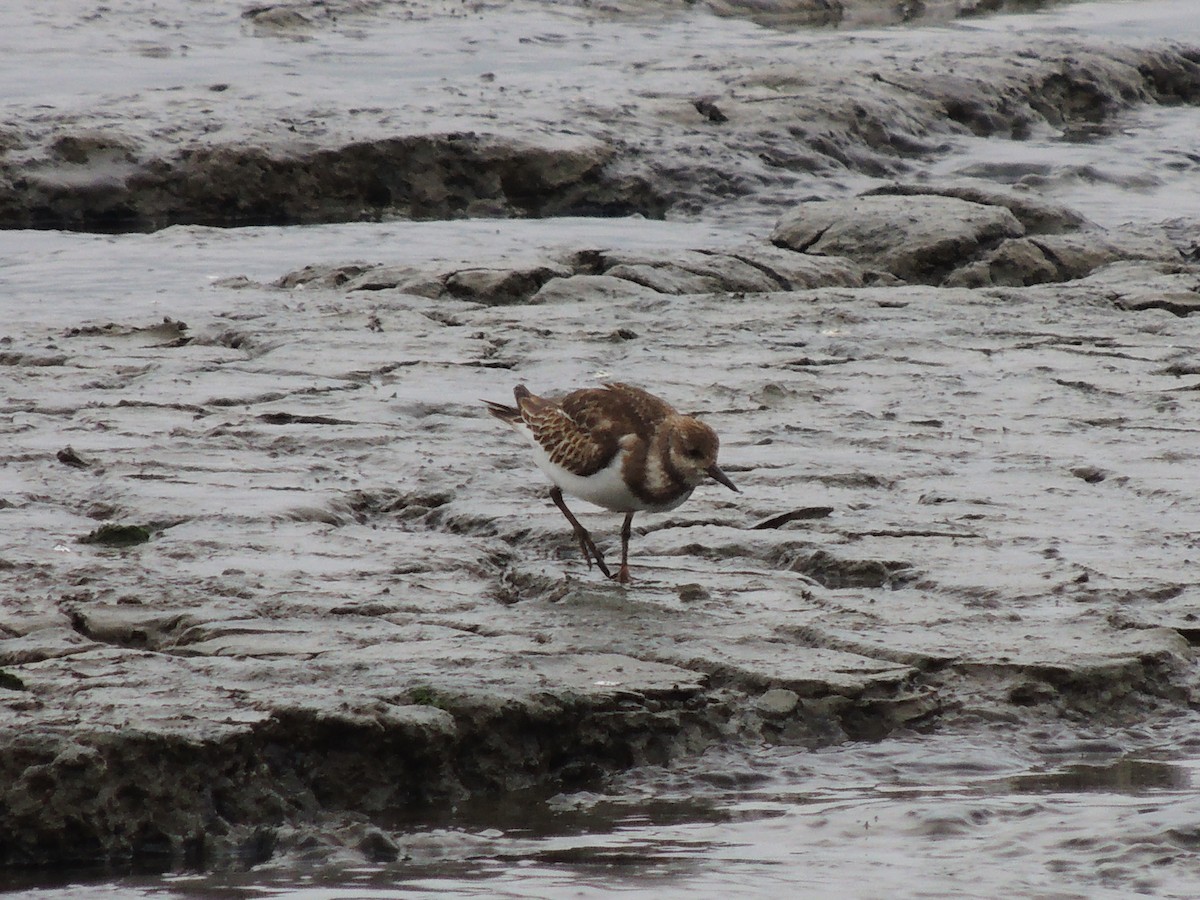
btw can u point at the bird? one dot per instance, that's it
(618, 447)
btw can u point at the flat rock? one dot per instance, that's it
(1037, 215)
(591, 289)
(1063, 257)
(41, 644)
(500, 287)
(801, 271)
(777, 702)
(918, 239)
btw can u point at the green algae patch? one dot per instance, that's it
(117, 535)
(10, 682)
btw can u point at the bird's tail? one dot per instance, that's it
(509, 414)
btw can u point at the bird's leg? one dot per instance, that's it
(623, 572)
(586, 545)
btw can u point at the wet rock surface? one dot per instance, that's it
(346, 573)
(79, 185)
(793, 117)
(272, 576)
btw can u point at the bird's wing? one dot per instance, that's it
(643, 409)
(575, 432)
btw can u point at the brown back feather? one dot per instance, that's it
(583, 431)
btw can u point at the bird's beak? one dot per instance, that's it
(716, 474)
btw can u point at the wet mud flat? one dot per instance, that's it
(277, 588)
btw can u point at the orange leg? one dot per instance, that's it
(626, 529)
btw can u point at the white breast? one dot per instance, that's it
(606, 488)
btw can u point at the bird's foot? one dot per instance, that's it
(623, 574)
(591, 552)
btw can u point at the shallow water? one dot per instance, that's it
(1145, 170)
(143, 68)
(171, 272)
(1142, 168)
(946, 815)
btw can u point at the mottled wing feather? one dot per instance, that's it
(643, 407)
(569, 442)
(583, 431)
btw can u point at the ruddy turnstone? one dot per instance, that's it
(617, 447)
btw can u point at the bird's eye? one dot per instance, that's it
(694, 453)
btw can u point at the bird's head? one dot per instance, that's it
(693, 450)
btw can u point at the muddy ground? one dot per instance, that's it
(265, 562)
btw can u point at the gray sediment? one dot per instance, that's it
(270, 575)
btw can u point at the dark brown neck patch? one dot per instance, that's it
(640, 465)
